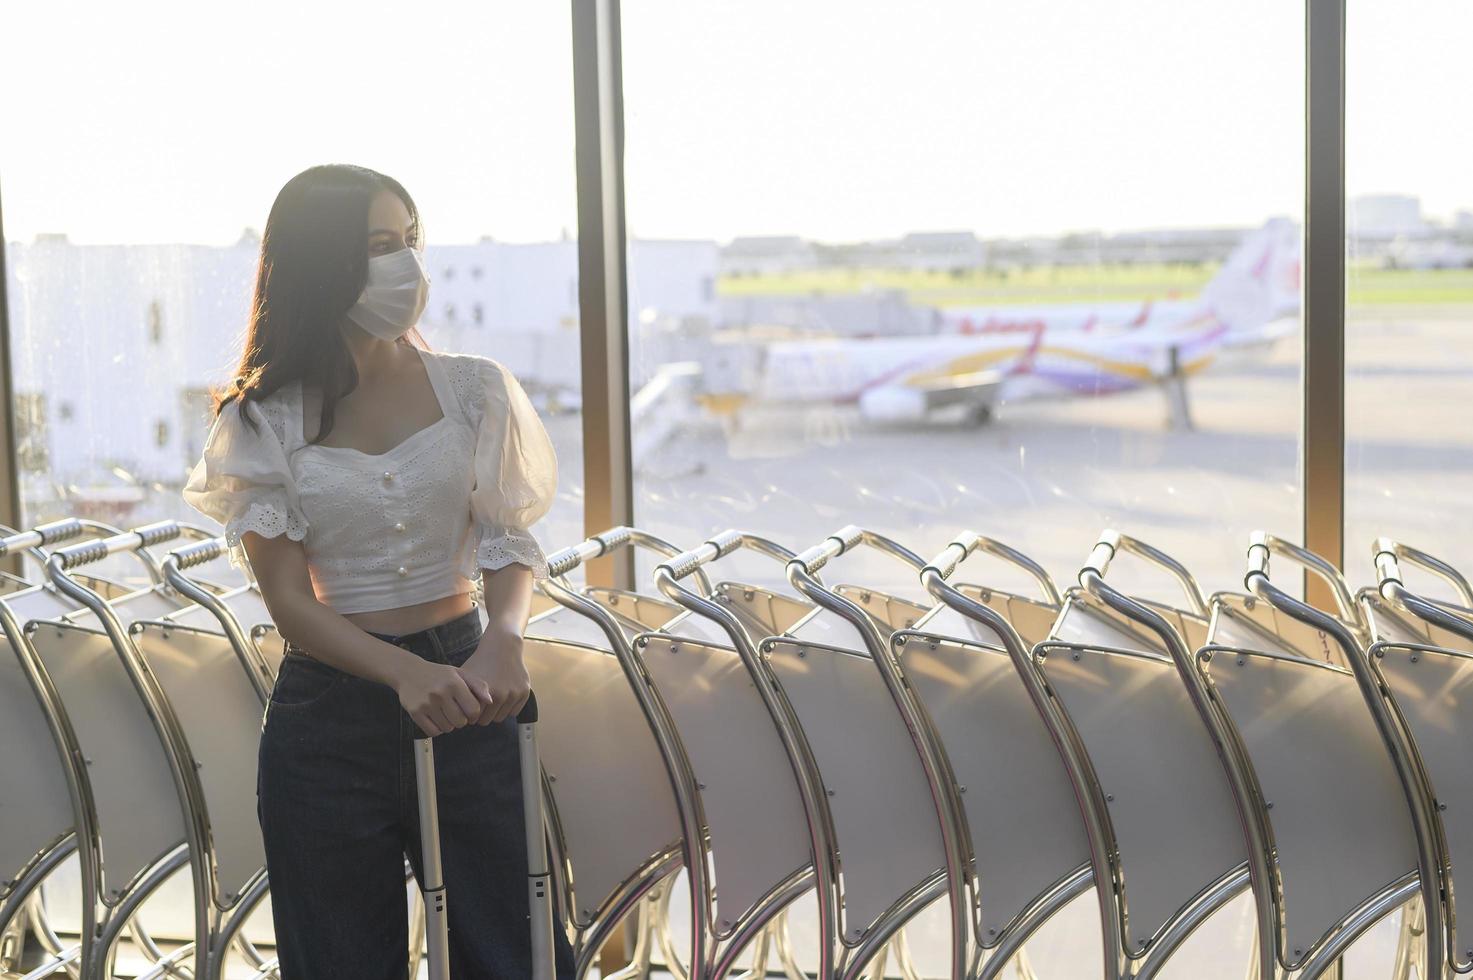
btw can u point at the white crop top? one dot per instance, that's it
(396, 528)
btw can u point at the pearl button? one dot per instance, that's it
(388, 477)
(398, 525)
(403, 571)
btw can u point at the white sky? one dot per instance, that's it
(834, 119)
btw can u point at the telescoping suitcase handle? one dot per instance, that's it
(539, 890)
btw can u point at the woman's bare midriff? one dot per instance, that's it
(410, 619)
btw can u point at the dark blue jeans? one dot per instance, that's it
(336, 798)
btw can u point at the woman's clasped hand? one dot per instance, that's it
(491, 686)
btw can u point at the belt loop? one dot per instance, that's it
(437, 644)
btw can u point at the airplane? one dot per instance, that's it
(980, 357)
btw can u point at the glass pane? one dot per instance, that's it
(140, 170)
(1026, 269)
(1409, 323)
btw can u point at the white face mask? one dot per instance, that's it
(397, 290)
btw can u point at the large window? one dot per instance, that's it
(1026, 269)
(140, 165)
(1031, 270)
(139, 171)
(1409, 323)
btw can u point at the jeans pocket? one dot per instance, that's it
(462, 653)
(302, 681)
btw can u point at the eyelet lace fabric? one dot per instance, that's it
(268, 514)
(391, 529)
(513, 546)
(267, 517)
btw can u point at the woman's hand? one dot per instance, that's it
(497, 664)
(437, 697)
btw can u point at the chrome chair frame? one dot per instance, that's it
(956, 842)
(259, 673)
(935, 577)
(1387, 556)
(217, 918)
(1152, 952)
(98, 915)
(650, 889)
(1441, 630)
(840, 958)
(762, 926)
(1351, 635)
(18, 912)
(656, 876)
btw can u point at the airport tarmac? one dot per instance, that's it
(1048, 476)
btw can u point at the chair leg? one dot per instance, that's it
(1024, 966)
(785, 956)
(903, 961)
(12, 942)
(654, 927)
(639, 960)
(760, 949)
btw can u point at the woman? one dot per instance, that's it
(366, 479)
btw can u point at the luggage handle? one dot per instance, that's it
(539, 873)
(968, 543)
(1112, 542)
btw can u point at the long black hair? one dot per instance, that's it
(313, 267)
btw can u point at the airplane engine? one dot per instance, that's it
(893, 403)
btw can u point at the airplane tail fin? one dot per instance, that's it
(1259, 283)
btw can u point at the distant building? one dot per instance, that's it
(941, 251)
(1383, 216)
(1463, 222)
(1170, 246)
(765, 255)
(115, 347)
(879, 313)
(1442, 252)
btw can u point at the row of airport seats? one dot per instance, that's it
(937, 777)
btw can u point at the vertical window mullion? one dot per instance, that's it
(1322, 461)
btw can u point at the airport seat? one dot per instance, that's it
(756, 838)
(609, 801)
(1141, 753)
(898, 830)
(1423, 654)
(617, 833)
(37, 812)
(156, 763)
(1339, 841)
(971, 671)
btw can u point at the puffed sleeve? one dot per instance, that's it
(242, 480)
(515, 470)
